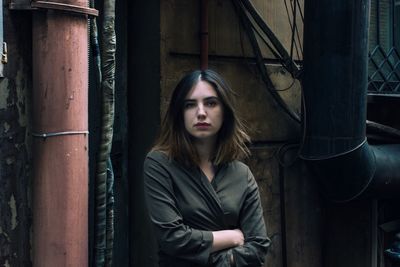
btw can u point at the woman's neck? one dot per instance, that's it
(205, 150)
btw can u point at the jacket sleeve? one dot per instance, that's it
(174, 237)
(252, 224)
(253, 252)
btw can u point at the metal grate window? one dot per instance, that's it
(384, 47)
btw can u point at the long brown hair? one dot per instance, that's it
(176, 142)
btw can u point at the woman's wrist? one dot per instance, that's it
(226, 239)
(238, 237)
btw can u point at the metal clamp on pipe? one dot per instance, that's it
(65, 7)
(30, 5)
(45, 135)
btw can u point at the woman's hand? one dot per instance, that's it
(226, 239)
(238, 237)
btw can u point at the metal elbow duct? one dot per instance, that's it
(335, 92)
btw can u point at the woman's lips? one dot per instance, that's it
(202, 125)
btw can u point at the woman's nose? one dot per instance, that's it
(201, 111)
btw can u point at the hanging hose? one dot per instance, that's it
(108, 85)
(105, 77)
(110, 214)
(95, 48)
(100, 181)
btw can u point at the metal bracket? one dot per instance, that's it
(52, 134)
(34, 5)
(65, 7)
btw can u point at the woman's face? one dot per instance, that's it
(203, 112)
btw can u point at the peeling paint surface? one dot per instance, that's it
(4, 235)
(4, 92)
(20, 85)
(6, 127)
(13, 210)
(10, 160)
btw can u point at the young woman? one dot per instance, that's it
(203, 202)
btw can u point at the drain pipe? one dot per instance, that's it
(203, 34)
(60, 133)
(335, 92)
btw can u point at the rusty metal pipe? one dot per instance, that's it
(204, 34)
(60, 104)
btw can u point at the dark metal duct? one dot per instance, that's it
(335, 94)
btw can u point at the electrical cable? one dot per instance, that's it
(293, 26)
(287, 60)
(259, 60)
(294, 11)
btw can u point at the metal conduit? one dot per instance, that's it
(104, 222)
(203, 34)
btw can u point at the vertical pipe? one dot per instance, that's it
(204, 34)
(60, 104)
(335, 89)
(335, 76)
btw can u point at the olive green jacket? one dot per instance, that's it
(185, 208)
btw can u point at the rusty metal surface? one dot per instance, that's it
(60, 88)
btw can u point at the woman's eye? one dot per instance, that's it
(211, 103)
(189, 105)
